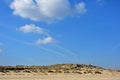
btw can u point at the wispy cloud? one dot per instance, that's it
(80, 8)
(31, 28)
(46, 10)
(46, 40)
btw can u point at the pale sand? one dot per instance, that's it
(33, 76)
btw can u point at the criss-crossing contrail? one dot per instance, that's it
(64, 53)
(53, 52)
(66, 50)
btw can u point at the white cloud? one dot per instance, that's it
(46, 40)
(31, 28)
(46, 10)
(80, 8)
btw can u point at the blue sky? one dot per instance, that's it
(36, 32)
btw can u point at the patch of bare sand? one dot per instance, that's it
(62, 76)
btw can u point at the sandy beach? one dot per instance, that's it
(33, 76)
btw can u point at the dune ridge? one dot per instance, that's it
(57, 68)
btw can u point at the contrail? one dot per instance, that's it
(66, 50)
(52, 51)
(69, 56)
(40, 47)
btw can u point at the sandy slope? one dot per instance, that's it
(33, 76)
(58, 72)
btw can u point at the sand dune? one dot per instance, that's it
(58, 72)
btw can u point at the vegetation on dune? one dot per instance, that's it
(58, 68)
